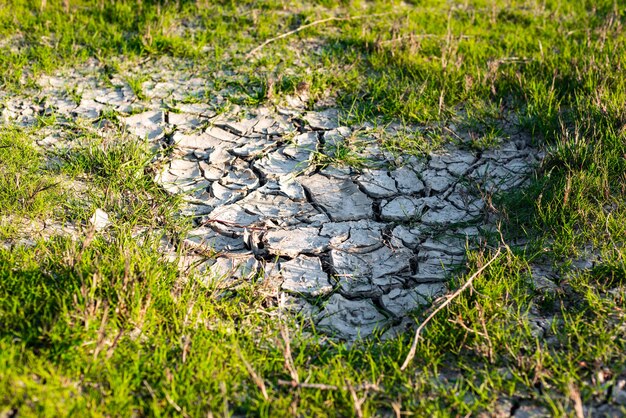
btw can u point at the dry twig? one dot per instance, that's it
(445, 303)
(284, 332)
(459, 322)
(308, 25)
(574, 395)
(358, 402)
(481, 317)
(255, 377)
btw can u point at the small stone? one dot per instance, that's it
(99, 220)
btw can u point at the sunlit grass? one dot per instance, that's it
(104, 326)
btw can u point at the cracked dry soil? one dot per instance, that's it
(353, 249)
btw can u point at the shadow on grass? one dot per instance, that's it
(36, 294)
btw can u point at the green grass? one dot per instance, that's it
(103, 326)
(106, 325)
(27, 190)
(119, 168)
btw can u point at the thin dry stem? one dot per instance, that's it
(284, 332)
(445, 303)
(255, 377)
(308, 25)
(574, 395)
(358, 402)
(481, 316)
